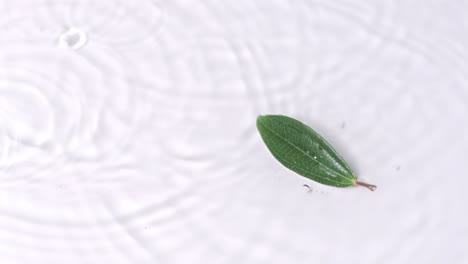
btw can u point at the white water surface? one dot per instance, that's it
(127, 131)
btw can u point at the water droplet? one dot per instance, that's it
(307, 188)
(72, 38)
(398, 168)
(315, 157)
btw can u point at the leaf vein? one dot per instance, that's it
(305, 153)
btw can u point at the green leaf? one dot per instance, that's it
(301, 149)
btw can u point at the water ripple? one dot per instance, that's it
(122, 145)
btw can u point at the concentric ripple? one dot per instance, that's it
(77, 106)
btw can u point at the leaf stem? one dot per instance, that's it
(368, 186)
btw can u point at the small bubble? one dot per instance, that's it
(307, 188)
(72, 38)
(315, 157)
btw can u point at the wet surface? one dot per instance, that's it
(127, 131)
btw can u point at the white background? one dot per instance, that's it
(127, 131)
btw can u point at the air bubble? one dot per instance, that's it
(72, 38)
